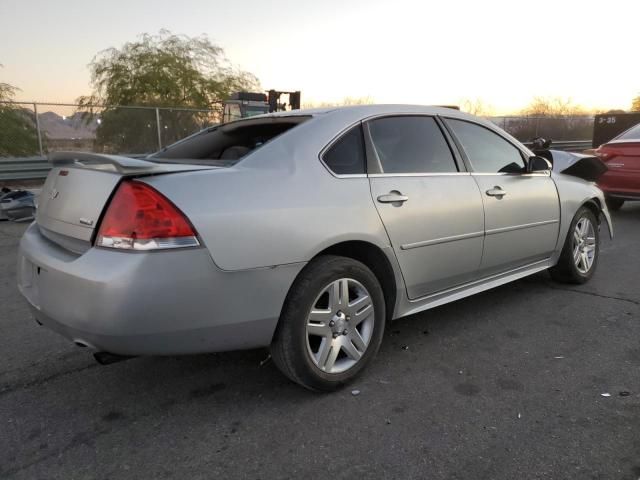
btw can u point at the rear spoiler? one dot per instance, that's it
(123, 165)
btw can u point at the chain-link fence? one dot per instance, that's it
(558, 128)
(35, 129)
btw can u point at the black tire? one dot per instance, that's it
(614, 204)
(291, 350)
(566, 270)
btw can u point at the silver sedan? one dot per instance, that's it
(304, 231)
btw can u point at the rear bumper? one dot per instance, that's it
(621, 185)
(153, 303)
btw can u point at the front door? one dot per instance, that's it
(522, 210)
(432, 212)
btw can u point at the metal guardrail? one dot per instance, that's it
(568, 145)
(36, 168)
(31, 168)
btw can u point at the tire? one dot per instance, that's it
(304, 345)
(614, 204)
(579, 257)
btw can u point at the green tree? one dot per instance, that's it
(162, 70)
(635, 104)
(18, 136)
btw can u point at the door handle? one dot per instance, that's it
(496, 191)
(393, 197)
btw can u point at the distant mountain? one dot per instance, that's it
(57, 127)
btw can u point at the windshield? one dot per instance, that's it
(253, 111)
(632, 134)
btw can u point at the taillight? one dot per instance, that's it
(141, 218)
(603, 154)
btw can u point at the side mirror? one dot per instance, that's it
(538, 164)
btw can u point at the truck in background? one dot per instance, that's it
(248, 104)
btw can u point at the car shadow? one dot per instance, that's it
(253, 372)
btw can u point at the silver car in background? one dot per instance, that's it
(305, 231)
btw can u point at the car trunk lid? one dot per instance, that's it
(78, 188)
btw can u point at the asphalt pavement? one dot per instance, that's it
(508, 384)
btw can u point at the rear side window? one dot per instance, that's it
(346, 156)
(488, 152)
(410, 144)
(632, 134)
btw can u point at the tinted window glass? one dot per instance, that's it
(346, 156)
(411, 145)
(631, 134)
(487, 151)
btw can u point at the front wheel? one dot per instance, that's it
(579, 256)
(331, 325)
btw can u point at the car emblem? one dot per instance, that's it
(53, 194)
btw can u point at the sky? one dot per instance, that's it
(402, 51)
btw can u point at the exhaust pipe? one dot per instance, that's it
(106, 358)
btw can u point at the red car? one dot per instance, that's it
(621, 181)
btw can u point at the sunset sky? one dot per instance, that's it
(401, 51)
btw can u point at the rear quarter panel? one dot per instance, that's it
(279, 205)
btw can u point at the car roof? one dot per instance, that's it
(373, 109)
(366, 111)
(344, 116)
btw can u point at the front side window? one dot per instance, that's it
(487, 151)
(346, 156)
(410, 144)
(631, 134)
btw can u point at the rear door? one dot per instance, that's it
(522, 210)
(432, 211)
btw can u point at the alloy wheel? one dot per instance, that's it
(340, 326)
(584, 245)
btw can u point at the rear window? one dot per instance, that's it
(226, 144)
(632, 134)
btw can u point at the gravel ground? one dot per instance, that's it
(503, 385)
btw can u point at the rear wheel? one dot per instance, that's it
(332, 324)
(614, 203)
(579, 256)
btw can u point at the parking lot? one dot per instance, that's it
(506, 384)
